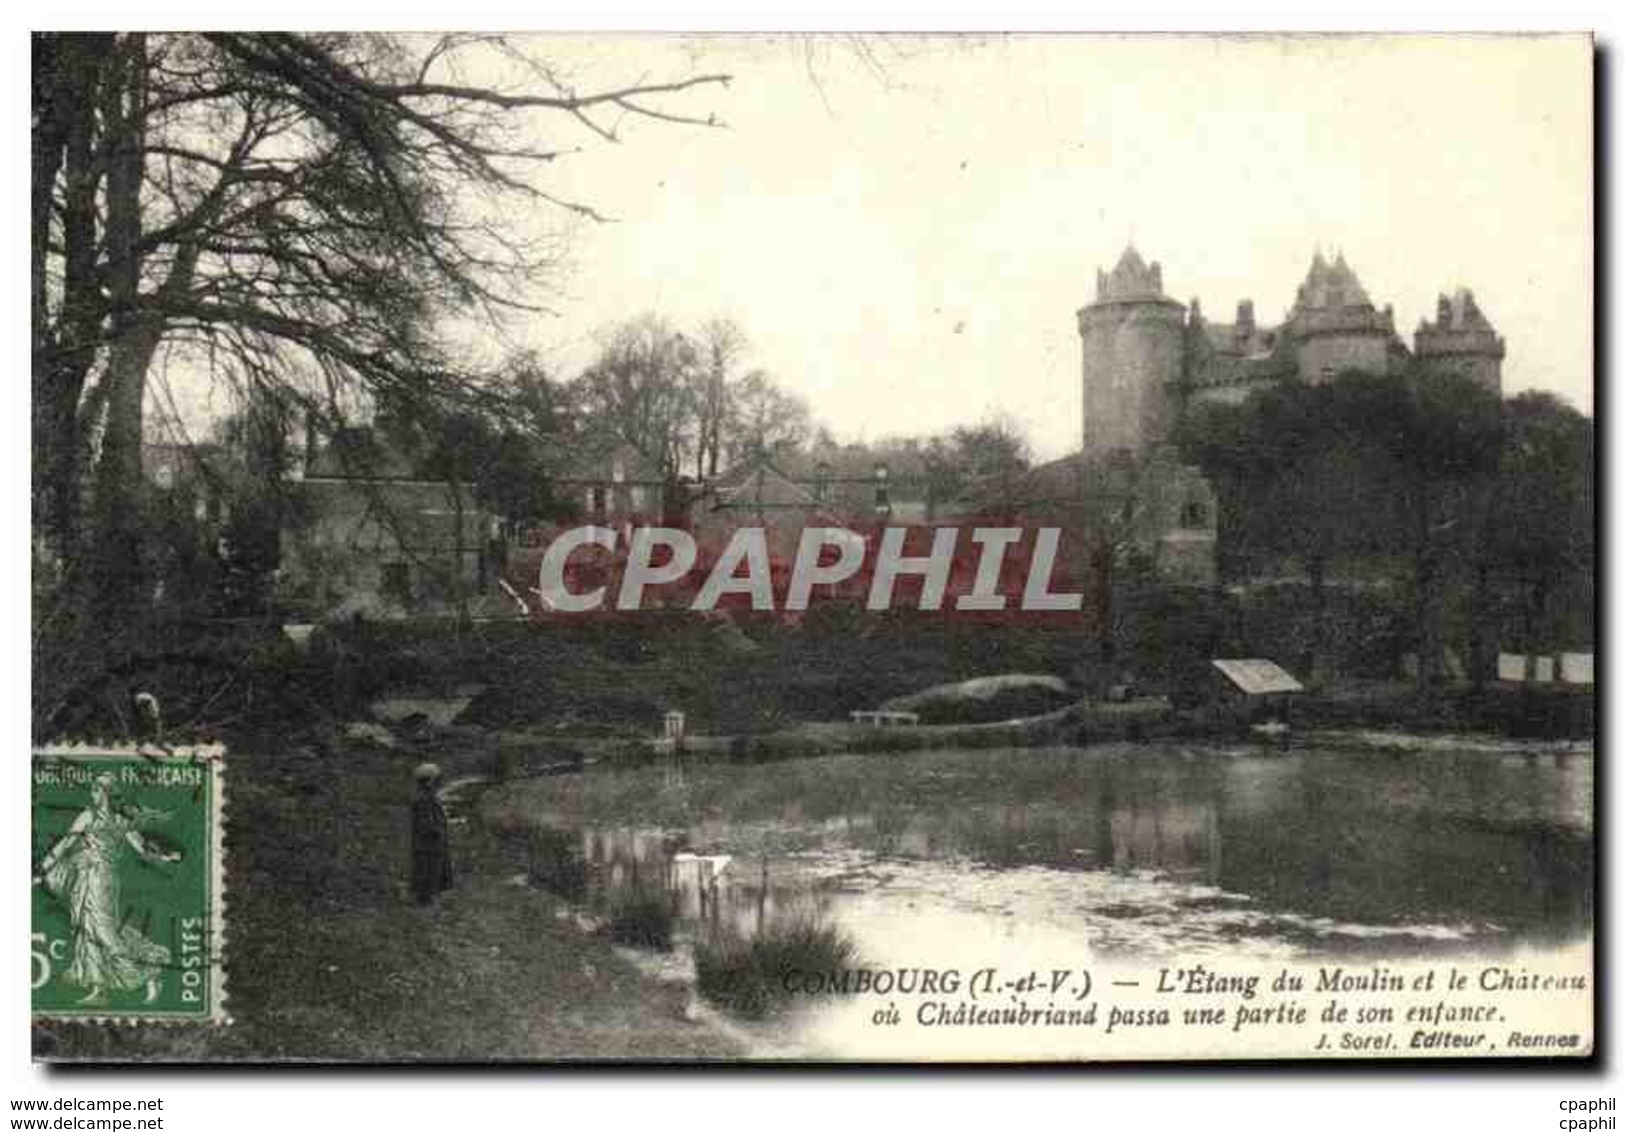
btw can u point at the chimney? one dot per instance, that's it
(1244, 319)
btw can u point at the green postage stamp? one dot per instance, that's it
(127, 878)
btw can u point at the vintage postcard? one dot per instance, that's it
(814, 548)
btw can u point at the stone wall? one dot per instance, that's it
(1321, 356)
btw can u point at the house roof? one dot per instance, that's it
(607, 461)
(1231, 369)
(420, 514)
(1256, 676)
(853, 463)
(1059, 480)
(360, 453)
(1230, 338)
(760, 485)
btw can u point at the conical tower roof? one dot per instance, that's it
(1331, 286)
(1132, 278)
(1130, 262)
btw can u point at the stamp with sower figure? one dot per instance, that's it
(127, 881)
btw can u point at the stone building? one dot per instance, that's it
(378, 538)
(609, 482)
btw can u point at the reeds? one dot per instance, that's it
(642, 917)
(755, 975)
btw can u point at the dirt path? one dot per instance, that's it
(532, 986)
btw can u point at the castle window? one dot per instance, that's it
(397, 583)
(1193, 516)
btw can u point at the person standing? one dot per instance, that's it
(431, 845)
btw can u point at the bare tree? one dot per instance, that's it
(765, 420)
(721, 343)
(300, 212)
(640, 389)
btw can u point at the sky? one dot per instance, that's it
(905, 227)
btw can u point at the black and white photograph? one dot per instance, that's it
(814, 548)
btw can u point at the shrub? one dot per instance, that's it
(746, 974)
(642, 918)
(555, 862)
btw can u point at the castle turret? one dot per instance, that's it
(1461, 341)
(1335, 328)
(1133, 358)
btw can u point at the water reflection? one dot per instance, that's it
(606, 868)
(1158, 848)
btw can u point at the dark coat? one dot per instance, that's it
(431, 847)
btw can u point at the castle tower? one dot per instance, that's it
(1133, 358)
(1335, 328)
(1461, 341)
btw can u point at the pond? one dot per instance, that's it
(1129, 854)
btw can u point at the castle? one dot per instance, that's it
(1147, 357)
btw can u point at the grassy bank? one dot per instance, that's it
(776, 689)
(606, 679)
(328, 958)
(1522, 711)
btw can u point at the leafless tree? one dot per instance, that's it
(721, 343)
(765, 420)
(640, 389)
(301, 212)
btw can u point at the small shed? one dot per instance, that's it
(1577, 668)
(1253, 689)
